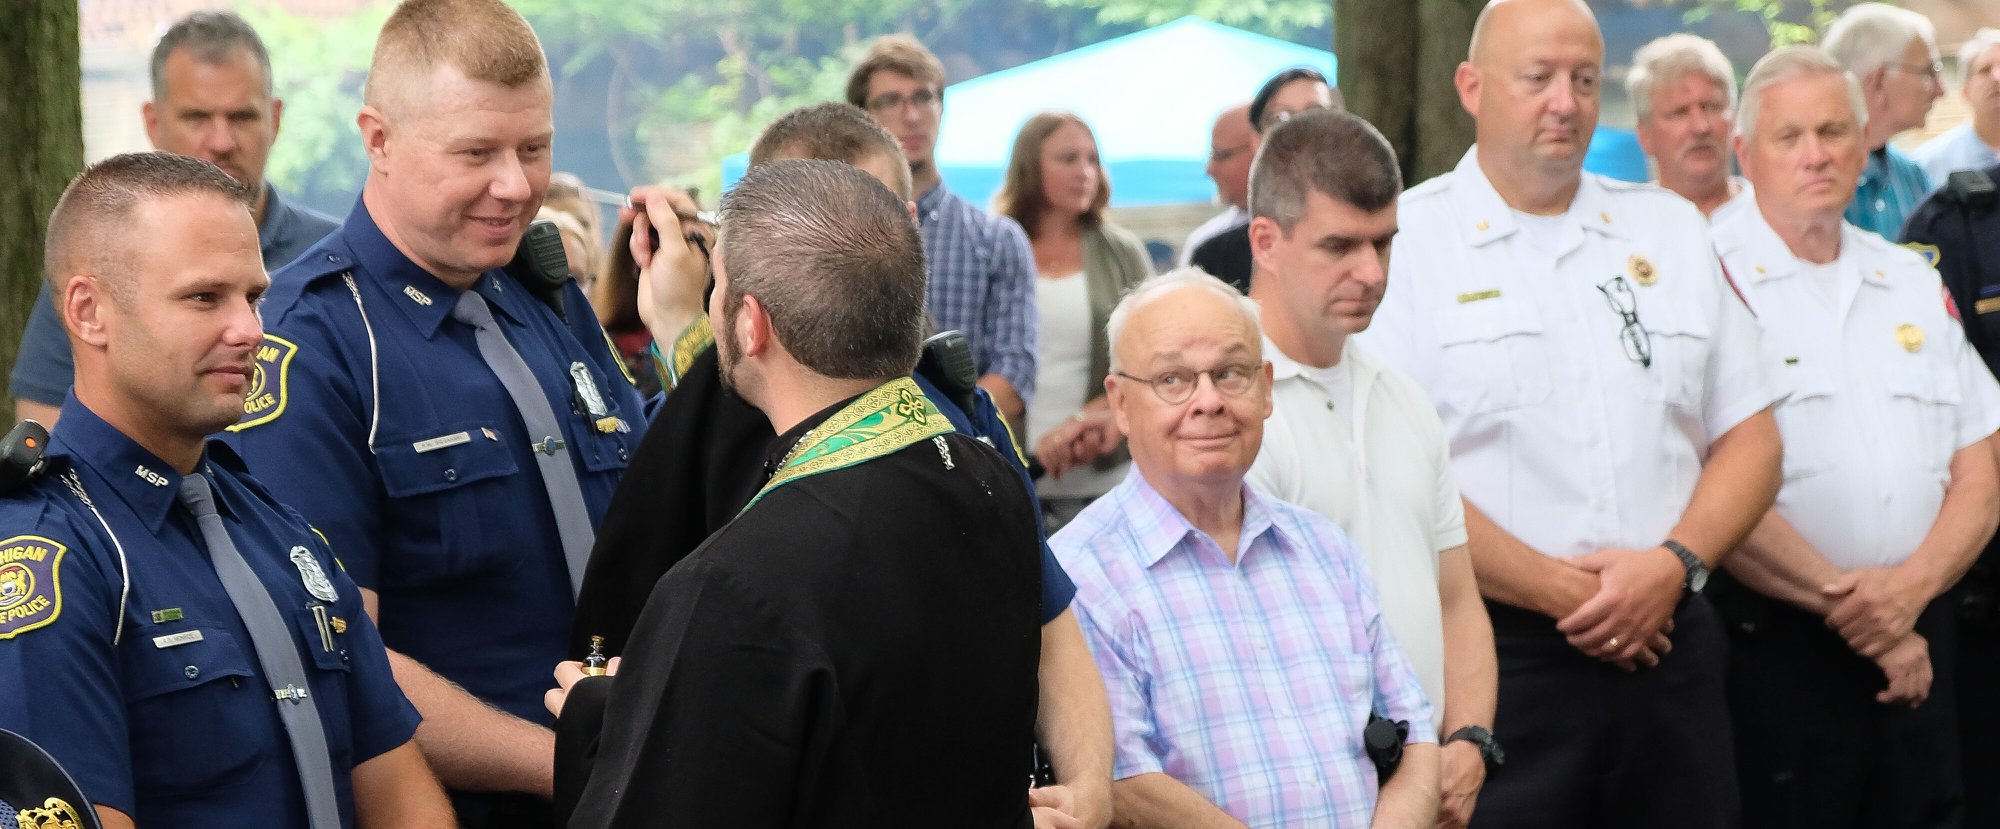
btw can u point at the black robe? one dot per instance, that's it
(858, 648)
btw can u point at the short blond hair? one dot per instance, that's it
(485, 39)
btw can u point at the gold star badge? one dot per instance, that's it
(1910, 337)
(1641, 270)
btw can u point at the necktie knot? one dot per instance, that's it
(196, 496)
(472, 309)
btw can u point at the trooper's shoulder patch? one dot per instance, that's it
(268, 380)
(1928, 252)
(30, 583)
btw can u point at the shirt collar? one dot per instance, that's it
(782, 445)
(148, 486)
(1770, 258)
(1161, 529)
(932, 199)
(1488, 218)
(280, 223)
(1876, 168)
(422, 297)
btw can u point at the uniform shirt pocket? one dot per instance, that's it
(1806, 419)
(1925, 399)
(1681, 340)
(1495, 356)
(199, 719)
(447, 483)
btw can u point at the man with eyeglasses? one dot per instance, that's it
(1609, 426)
(982, 275)
(1971, 145)
(1893, 53)
(1239, 636)
(1834, 595)
(1288, 93)
(1231, 146)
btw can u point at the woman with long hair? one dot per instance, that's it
(1056, 188)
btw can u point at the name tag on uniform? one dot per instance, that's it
(1475, 296)
(442, 442)
(176, 639)
(1987, 305)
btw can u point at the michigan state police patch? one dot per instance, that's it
(266, 398)
(30, 589)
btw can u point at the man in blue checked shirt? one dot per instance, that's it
(1893, 53)
(1239, 636)
(982, 274)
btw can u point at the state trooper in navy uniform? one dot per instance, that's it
(453, 424)
(1957, 228)
(185, 644)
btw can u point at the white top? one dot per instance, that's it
(1231, 216)
(1870, 425)
(1063, 381)
(1360, 444)
(1555, 433)
(1746, 196)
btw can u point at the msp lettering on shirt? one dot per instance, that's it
(30, 583)
(419, 297)
(265, 400)
(149, 476)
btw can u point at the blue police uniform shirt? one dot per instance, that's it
(174, 723)
(45, 366)
(374, 413)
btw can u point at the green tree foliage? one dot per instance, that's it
(1278, 18)
(1788, 21)
(318, 68)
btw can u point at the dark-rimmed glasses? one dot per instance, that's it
(1638, 343)
(1176, 386)
(893, 101)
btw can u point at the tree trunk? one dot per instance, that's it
(1396, 65)
(41, 122)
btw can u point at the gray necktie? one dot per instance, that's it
(544, 432)
(277, 651)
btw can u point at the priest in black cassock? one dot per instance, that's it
(860, 644)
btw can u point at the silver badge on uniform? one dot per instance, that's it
(586, 388)
(313, 577)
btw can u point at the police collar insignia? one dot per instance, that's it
(586, 388)
(314, 578)
(419, 297)
(30, 583)
(266, 398)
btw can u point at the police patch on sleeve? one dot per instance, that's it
(1928, 252)
(266, 398)
(30, 589)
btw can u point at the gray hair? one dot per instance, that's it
(1872, 35)
(1155, 287)
(1968, 54)
(211, 37)
(1784, 65)
(1667, 58)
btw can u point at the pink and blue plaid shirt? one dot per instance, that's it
(1249, 682)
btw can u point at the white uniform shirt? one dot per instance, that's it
(1376, 463)
(1555, 433)
(1883, 389)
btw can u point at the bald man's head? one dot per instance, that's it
(1481, 26)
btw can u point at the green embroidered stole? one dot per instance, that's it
(895, 415)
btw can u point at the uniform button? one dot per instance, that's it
(191, 672)
(451, 474)
(332, 258)
(622, 453)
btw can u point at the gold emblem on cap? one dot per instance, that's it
(1910, 336)
(1641, 270)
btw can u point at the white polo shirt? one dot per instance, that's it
(1882, 388)
(1369, 453)
(1555, 432)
